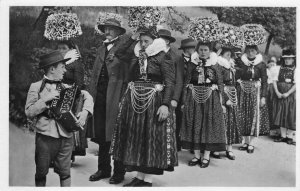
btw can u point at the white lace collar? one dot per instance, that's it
(258, 59)
(156, 47)
(225, 63)
(213, 58)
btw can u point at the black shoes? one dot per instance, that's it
(250, 151)
(145, 184)
(217, 156)
(116, 178)
(204, 165)
(244, 147)
(195, 161)
(281, 139)
(138, 183)
(286, 140)
(289, 141)
(100, 174)
(230, 156)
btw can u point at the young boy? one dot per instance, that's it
(53, 142)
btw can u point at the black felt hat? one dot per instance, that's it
(164, 33)
(288, 53)
(113, 23)
(188, 43)
(51, 59)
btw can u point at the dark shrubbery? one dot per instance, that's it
(26, 46)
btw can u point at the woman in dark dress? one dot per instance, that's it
(252, 92)
(232, 116)
(144, 138)
(284, 107)
(74, 74)
(203, 126)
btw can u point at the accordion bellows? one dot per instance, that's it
(62, 26)
(65, 108)
(205, 29)
(254, 34)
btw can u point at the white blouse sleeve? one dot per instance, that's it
(275, 73)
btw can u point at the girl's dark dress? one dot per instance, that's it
(203, 126)
(140, 141)
(233, 115)
(284, 109)
(251, 88)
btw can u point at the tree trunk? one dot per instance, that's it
(270, 37)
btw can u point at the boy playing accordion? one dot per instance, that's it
(53, 141)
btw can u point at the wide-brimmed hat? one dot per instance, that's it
(51, 59)
(187, 43)
(164, 33)
(113, 23)
(288, 53)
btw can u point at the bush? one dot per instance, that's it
(26, 46)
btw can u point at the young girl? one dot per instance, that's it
(272, 72)
(203, 122)
(284, 112)
(232, 116)
(252, 92)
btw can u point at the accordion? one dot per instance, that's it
(65, 109)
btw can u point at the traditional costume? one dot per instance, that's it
(69, 23)
(108, 81)
(203, 126)
(284, 109)
(140, 141)
(232, 116)
(53, 140)
(252, 87)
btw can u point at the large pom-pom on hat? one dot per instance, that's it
(144, 17)
(231, 36)
(62, 26)
(205, 29)
(109, 19)
(254, 34)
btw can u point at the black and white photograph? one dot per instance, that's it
(150, 95)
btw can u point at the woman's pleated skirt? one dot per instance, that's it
(140, 141)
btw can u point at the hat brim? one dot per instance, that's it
(288, 56)
(101, 28)
(188, 45)
(170, 38)
(183, 47)
(52, 63)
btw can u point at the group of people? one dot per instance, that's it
(148, 102)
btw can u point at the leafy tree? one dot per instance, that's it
(280, 22)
